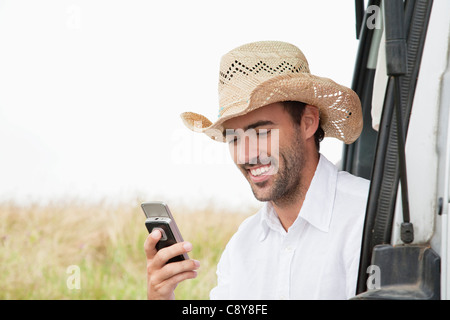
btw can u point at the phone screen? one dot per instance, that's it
(156, 210)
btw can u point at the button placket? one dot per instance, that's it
(284, 272)
(288, 247)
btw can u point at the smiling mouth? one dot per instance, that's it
(260, 173)
(256, 172)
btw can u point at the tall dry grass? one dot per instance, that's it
(38, 243)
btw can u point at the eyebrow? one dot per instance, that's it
(254, 125)
(258, 124)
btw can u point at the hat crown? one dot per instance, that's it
(262, 73)
(246, 67)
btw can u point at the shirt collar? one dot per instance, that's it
(318, 205)
(269, 220)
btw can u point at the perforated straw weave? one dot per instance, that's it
(261, 73)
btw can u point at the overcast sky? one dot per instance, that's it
(91, 92)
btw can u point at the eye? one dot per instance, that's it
(230, 136)
(232, 139)
(263, 132)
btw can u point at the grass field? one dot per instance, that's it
(46, 249)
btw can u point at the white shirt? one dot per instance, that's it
(317, 258)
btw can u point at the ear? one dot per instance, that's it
(310, 121)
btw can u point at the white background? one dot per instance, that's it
(91, 92)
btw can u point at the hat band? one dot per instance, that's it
(230, 106)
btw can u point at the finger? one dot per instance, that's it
(150, 243)
(175, 280)
(165, 254)
(173, 269)
(165, 290)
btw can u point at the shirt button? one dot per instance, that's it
(288, 249)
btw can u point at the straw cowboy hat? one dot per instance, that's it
(261, 73)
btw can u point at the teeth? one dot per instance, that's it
(259, 171)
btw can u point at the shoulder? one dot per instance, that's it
(352, 186)
(346, 184)
(350, 192)
(350, 202)
(351, 195)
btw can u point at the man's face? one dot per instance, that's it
(268, 148)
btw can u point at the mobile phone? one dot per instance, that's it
(159, 217)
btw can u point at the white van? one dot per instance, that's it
(405, 249)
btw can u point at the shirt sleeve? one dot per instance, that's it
(222, 290)
(355, 236)
(352, 277)
(354, 254)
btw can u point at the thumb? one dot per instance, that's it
(150, 243)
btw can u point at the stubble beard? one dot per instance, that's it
(284, 187)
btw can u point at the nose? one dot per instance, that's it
(247, 150)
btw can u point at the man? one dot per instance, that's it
(305, 241)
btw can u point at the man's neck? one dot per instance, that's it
(288, 209)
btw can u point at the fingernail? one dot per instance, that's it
(187, 246)
(197, 263)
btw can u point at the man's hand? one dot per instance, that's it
(162, 278)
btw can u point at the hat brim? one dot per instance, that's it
(339, 107)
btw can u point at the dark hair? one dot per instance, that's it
(295, 110)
